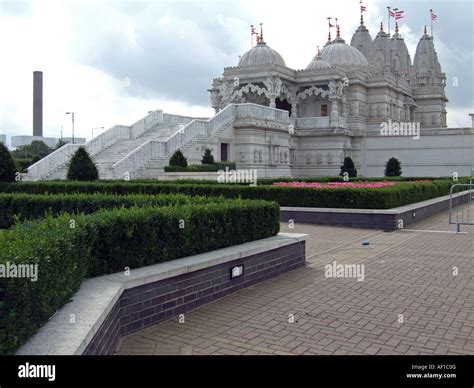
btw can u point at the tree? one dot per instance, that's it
(81, 167)
(207, 158)
(7, 165)
(36, 150)
(348, 167)
(60, 143)
(178, 159)
(393, 167)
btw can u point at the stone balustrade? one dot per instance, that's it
(44, 167)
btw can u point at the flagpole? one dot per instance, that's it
(388, 14)
(431, 19)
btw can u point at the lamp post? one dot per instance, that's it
(72, 115)
(95, 128)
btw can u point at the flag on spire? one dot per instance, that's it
(363, 8)
(329, 21)
(433, 18)
(398, 14)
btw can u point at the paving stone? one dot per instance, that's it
(406, 273)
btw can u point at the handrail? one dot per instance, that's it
(470, 191)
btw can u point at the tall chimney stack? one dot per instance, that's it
(37, 103)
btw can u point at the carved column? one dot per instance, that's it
(334, 117)
(273, 85)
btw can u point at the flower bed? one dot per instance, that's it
(335, 185)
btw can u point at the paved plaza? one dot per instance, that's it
(416, 297)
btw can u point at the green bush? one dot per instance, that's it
(393, 167)
(349, 168)
(81, 167)
(178, 159)
(202, 167)
(20, 206)
(108, 241)
(21, 165)
(207, 158)
(7, 165)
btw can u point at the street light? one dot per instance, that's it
(96, 128)
(72, 114)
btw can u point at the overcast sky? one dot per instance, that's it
(112, 61)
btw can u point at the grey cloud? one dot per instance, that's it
(161, 64)
(176, 60)
(453, 38)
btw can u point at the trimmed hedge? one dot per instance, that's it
(202, 167)
(20, 206)
(108, 241)
(61, 255)
(377, 198)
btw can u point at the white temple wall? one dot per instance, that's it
(435, 153)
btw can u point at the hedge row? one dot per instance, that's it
(108, 241)
(376, 198)
(21, 206)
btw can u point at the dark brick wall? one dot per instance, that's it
(151, 303)
(373, 221)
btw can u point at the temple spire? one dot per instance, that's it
(261, 32)
(425, 30)
(381, 26)
(396, 27)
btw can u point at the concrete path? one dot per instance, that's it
(416, 296)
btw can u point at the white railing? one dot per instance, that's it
(149, 121)
(107, 139)
(197, 128)
(176, 119)
(312, 122)
(42, 168)
(262, 112)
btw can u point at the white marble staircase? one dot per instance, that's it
(142, 149)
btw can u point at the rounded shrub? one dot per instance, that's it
(178, 159)
(393, 167)
(207, 158)
(348, 167)
(81, 167)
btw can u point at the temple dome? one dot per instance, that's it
(362, 41)
(318, 63)
(260, 55)
(340, 53)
